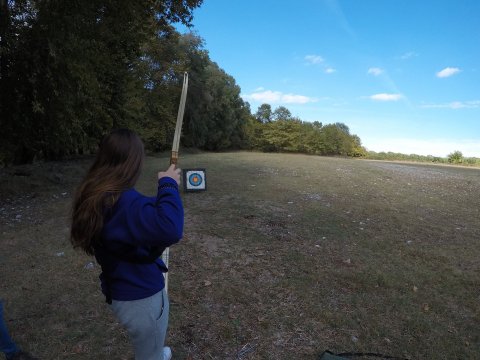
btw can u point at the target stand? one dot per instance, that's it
(194, 180)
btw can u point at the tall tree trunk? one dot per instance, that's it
(4, 38)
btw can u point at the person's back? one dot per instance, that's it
(127, 232)
(136, 231)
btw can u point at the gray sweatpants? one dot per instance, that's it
(146, 321)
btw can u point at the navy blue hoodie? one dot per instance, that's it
(139, 225)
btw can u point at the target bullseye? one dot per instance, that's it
(195, 179)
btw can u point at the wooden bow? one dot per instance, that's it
(174, 155)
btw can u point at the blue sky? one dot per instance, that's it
(404, 75)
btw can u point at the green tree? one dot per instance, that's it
(282, 136)
(455, 157)
(215, 114)
(73, 70)
(336, 140)
(357, 149)
(264, 113)
(312, 139)
(226, 114)
(343, 127)
(281, 113)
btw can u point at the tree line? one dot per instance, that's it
(72, 71)
(279, 131)
(454, 158)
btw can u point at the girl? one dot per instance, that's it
(127, 232)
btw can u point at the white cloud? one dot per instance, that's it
(386, 97)
(314, 59)
(454, 105)
(447, 72)
(375, 71)
(408, 55)
(264, 96)
(296, 99)
(259, 89)
(457, 105)
(277, 97)
(435, 147)
(320, 61)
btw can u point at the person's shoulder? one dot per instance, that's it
(132, 192)
(132, 195)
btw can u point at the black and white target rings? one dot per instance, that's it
(194, 180)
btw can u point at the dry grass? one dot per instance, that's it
(283, 257)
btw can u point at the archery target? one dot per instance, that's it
(195, 179)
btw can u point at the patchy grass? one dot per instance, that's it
(283, 257)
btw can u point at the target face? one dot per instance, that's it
(195, 179)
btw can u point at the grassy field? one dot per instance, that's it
(283, 257)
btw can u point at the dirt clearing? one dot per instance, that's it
(283, 256)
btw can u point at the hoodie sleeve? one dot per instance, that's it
(157, 221)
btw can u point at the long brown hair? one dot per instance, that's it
(116, 168)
